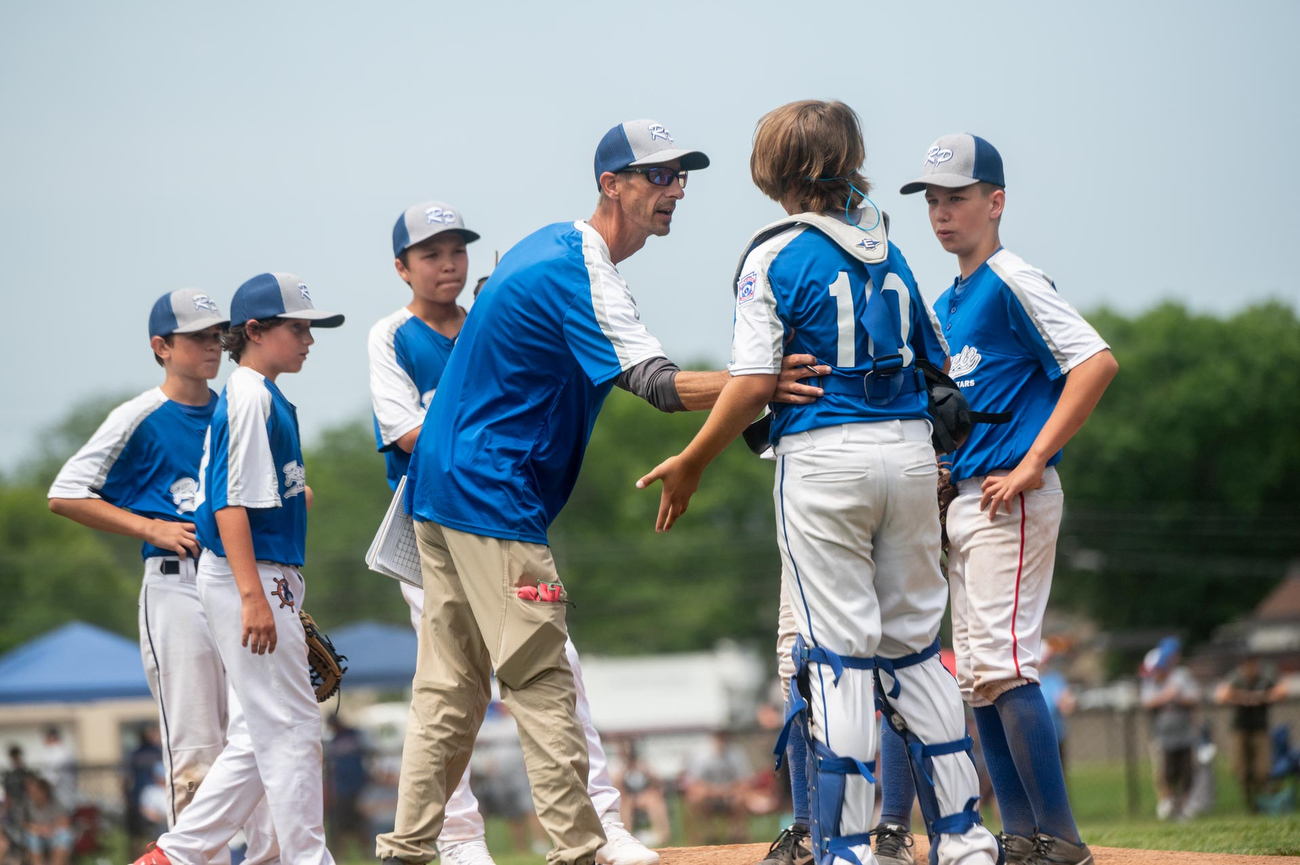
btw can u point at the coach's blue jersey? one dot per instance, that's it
(144, 457)
(407, 358)
(540, 350)
(802, 293)
(1014, 340)
(253, 459)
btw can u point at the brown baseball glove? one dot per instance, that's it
(947, 492)
(326, 664)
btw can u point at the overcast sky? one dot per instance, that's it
(151, 146)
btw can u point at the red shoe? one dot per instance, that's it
(153, 856)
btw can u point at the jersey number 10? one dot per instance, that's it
(846, 319)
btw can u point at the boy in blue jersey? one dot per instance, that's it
(857, 520)
(138, 476)
(554, 329)
(252, 525)
(1020, 348)
(408, 351)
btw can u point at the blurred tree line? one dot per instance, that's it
(1182, 508)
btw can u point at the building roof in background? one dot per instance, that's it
(73, 663)
(1283, 603)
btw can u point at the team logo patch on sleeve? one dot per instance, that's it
(745, 287)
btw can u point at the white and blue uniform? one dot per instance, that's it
(252, 458)
(145, 458)
(1014, 340)
(407, 359)
(858, 525)
(526, 391)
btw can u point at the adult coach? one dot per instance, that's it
(554, 329)
(1019, 347)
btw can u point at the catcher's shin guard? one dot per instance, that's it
(921, 754)
(828, 772)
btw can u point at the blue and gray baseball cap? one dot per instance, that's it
(958, 160)
(422, 221)
(186, 310)
(278, 295)
(642, 142)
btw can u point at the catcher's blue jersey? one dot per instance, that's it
(145, 458)
(407, 359)
(252, 458)
(801, 293)
(1014, 339)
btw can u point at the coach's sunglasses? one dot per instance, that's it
(661, 176)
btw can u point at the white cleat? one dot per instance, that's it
(472, 852)
(622, 848)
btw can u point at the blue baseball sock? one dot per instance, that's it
(1013, 801)
(796, 758)
(1031, 736)
(898, 791)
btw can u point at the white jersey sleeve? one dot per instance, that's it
(758, 335)
(394, 396)
(84, 474)
(251, 478)
(1053, 328)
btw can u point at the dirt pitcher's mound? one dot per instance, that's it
(748, 854)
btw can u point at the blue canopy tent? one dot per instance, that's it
(379, 655)
(71, 664)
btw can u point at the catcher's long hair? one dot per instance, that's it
(811, 148)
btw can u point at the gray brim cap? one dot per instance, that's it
(186, 310)
(278, 295)
(637, 143)
(421, 221)
(954, 161)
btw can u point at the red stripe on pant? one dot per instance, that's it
(1015, 607)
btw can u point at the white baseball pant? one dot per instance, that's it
(197, 709)
(1000, 574)
(463, 820)
(281, 750)
(858, 528)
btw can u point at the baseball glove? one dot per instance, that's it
(326, 664)
(947, 492)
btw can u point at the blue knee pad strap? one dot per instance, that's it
(798, 705)
(827, 780)
(921, 754)
(889, 665)
(804, 655)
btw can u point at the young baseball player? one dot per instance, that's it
(857, 520)
(408, 352)
(1019, 348)
(138, 476)
(252, 524)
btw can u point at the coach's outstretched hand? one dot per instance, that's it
(681, 479)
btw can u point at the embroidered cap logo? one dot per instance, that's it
(306, 295)
(439, 214)
(936, 156)
(202, 301)
(658, 131)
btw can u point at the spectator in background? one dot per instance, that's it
(1171, 695)
(48, 828)
(643, 793)
(153, 802)
(59, 765)
(345, 780)
(716, 784)
(141, 763)
(15, 792)
(1060, 701)
(1250, 690)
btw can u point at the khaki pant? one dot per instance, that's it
(473, 622)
